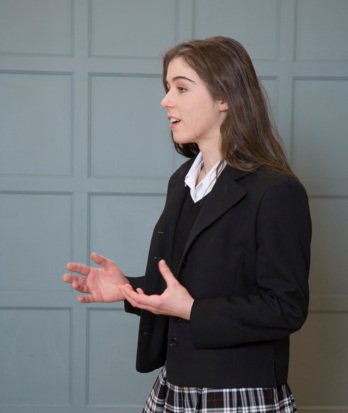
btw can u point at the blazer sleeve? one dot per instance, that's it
(280, 306)
(135, 282)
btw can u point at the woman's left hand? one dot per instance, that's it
(175, 301)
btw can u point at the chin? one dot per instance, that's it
(183, 140)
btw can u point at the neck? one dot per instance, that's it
(210, 157)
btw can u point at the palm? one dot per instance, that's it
(99, 284)
(103, 284)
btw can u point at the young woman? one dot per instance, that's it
(227, 276)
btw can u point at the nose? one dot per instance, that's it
(166, 102)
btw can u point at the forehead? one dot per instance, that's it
(179, 67)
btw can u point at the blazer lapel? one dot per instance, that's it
(225, 194)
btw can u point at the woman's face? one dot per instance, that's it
(194, 116)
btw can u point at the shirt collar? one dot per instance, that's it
(206, 184)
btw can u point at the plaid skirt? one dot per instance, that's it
(168, 398)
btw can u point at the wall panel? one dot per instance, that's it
(121, 226)
(320, 27)
(271, 88)
(319, 351)
(35, 236)
(113, 354)
(320, 124)
(117, 26)
(330, 246)
(35, 123)
(85, 154)
(35, 372)
(126, 121)
(42, 27)
(235, 18)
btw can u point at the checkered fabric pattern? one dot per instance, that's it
(168, 398)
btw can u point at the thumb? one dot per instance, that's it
(167, 274)
(99, 259)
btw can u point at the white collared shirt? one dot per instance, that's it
(206, 184)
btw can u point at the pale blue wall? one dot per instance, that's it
(85, 155)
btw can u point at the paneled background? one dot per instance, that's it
(85, 155)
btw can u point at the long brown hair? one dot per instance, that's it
(249, 140)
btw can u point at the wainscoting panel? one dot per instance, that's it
(85, 156)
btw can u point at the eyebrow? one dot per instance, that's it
(182, 78)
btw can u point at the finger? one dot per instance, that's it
(129, 294)
(85, 299)
(166, 273)
(68, 278)
(81, 286)
(140, 300)
(72, 279)
(126, 288)
(79, 268)
(143, 302)
(100, 260)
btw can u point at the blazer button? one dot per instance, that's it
(173, 342)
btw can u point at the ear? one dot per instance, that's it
(223, 106)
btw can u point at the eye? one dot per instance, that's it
(182, 89)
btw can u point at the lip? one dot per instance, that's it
(172, 124)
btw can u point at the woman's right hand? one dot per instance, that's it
(98, 284)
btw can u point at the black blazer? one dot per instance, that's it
(246, 264)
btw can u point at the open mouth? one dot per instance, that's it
(174, 121)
